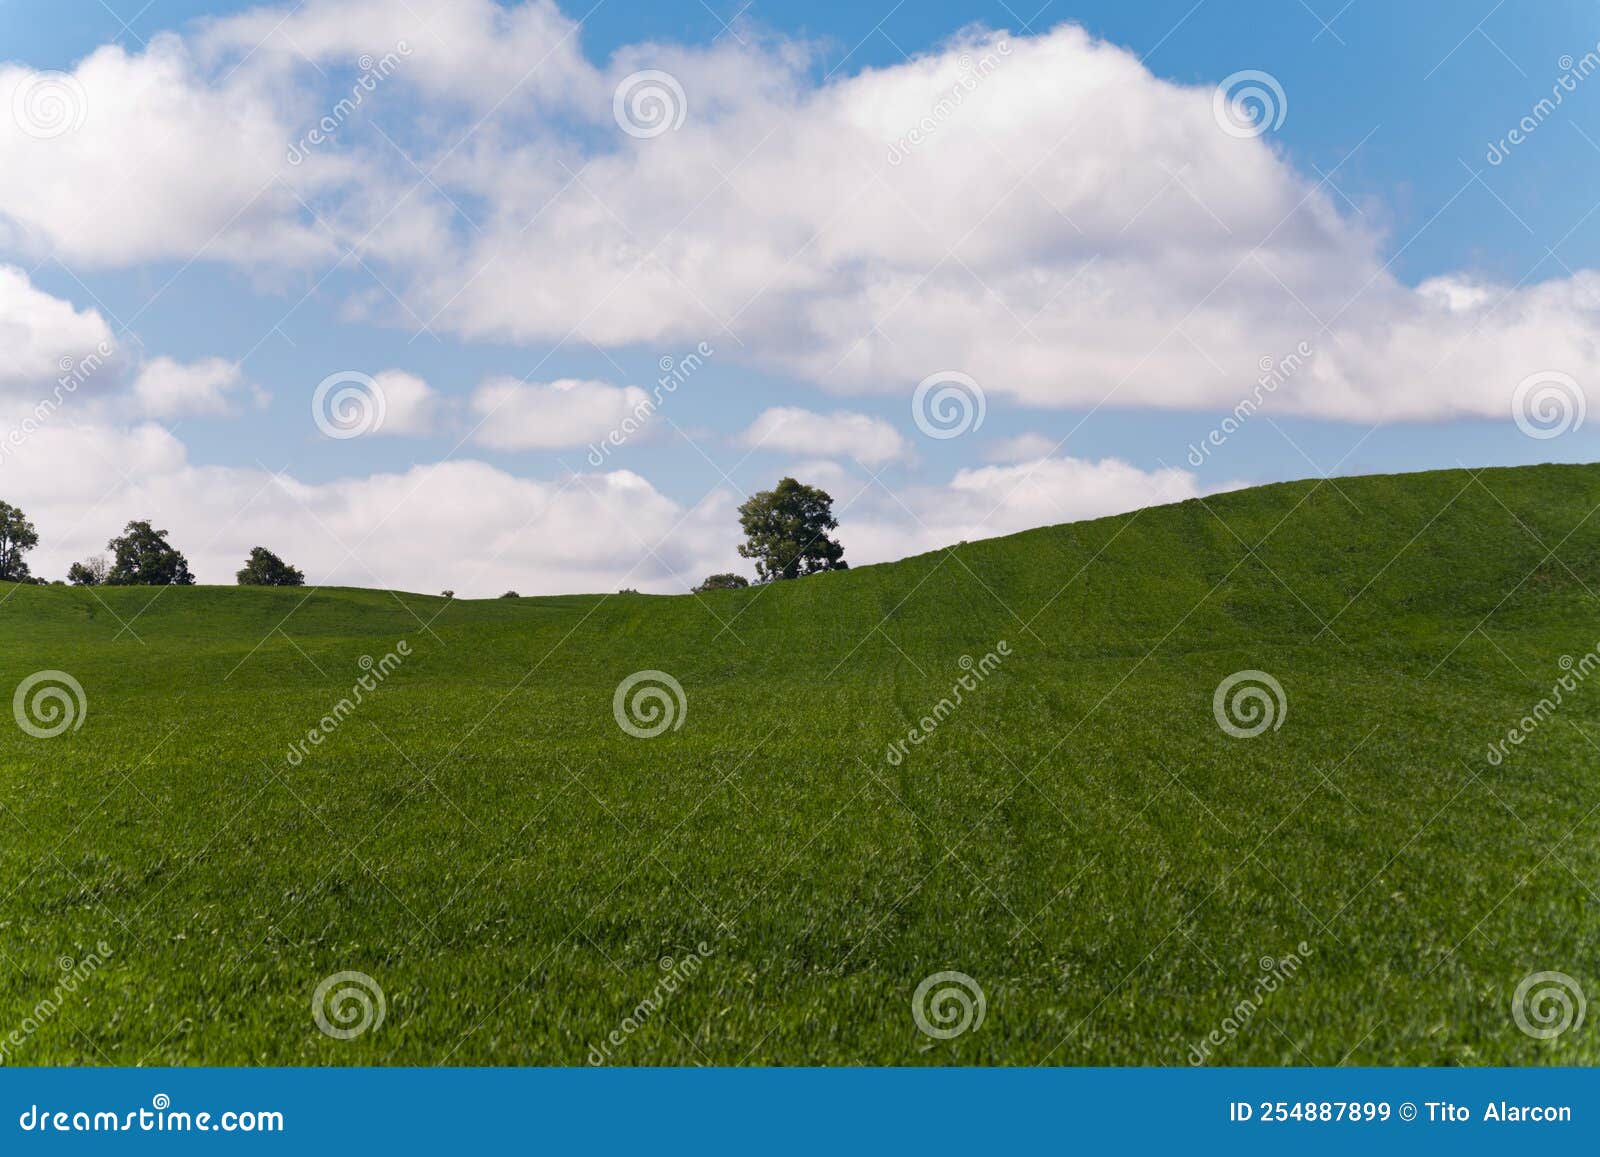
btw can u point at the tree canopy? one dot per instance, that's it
(17, 537)
(91, 572)
(265, 569)
(722, 582)
(141, 556)
(786, 532)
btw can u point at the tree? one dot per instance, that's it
(265, 569)
(722, 582)
(511, 595)
(17, 537)
(786, 530)
(143, 557)
(91, 572)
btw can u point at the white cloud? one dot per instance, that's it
(1074, 231)
(995, 500)
(478, 529)
(163, 162)
(1078, 231)
(464, 524)
(170, 389)
(411, 406)
(870, 441)
(43, 337)
(517, 415)
(525, 57)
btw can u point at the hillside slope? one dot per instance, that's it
(1078, 835)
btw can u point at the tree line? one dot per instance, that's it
(786, 533)
(139, 556)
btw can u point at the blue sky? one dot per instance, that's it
(1388, 114)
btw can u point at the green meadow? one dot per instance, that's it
(770, 878)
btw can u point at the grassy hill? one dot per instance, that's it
(1079, 835)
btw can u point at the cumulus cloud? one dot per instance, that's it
(410, 405)
(166, 388)
(484, 55)
(43, 337)
(1071, 230)
(870, 441)
(141, 156)
(463, 524)
(518, 415)
(995, 500)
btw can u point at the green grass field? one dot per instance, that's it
(1079, 835)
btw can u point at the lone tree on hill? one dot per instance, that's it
(17, 537)
(91, 572)
(265, 569)
(722, 582)
(143, 557)
(786, 531)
